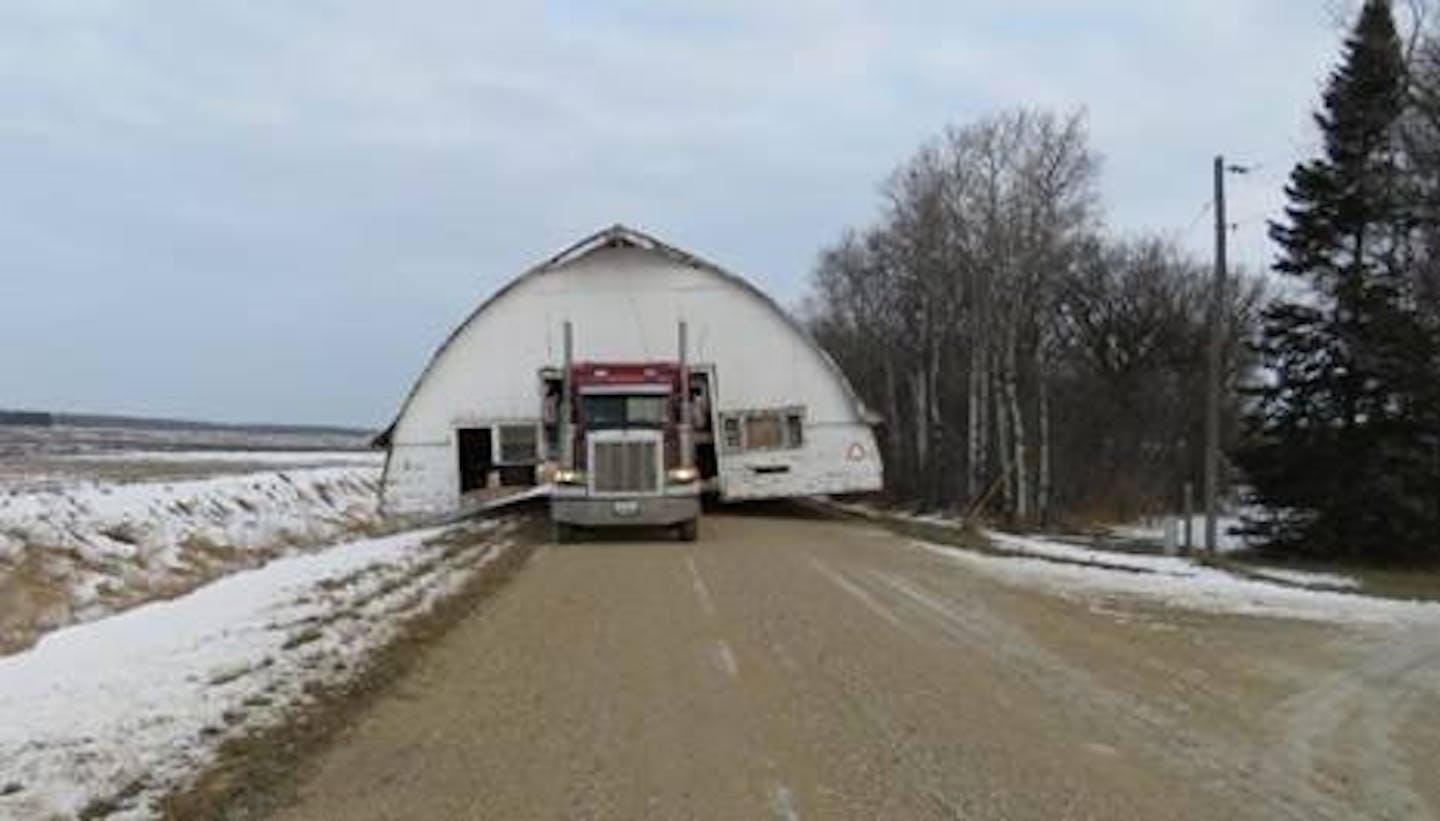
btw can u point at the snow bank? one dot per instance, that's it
(1165, 565)
(1093, 576)
(1307, 578)
(1060, 551)
(131, 705)
(86, 549)
(1139, 562)
(1177, 582)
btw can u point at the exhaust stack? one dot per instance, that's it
(687, 449)
(567, 413)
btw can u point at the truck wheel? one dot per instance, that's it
(689, 530)
(561, 532)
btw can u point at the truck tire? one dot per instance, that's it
(689, 530)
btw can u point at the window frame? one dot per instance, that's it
(791, 419)
(732, 424)
(535, 434)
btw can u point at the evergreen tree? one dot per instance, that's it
(1343, 446)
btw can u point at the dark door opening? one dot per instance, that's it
(702, 422)
(477, 458)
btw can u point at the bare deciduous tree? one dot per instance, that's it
(986, 319)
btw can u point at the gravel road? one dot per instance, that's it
(796, 668)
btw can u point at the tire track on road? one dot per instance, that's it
(1378, 695)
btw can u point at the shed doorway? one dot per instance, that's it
(476, 451)
(702, 421)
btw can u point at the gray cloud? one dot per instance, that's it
(274, 210)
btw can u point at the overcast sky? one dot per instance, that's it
(274, 210)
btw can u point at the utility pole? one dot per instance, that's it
(1213, 374)
(1189, 507)
(1212, 367)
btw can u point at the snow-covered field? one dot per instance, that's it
(37, 457)
(28, 441)
(156, 601)
(119, 711)
(80, 548)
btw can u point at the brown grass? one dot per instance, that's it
(30, 596)
(1422, 583)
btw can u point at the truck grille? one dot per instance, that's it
(626, 467)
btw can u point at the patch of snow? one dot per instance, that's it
(1175, 582)
(1307, 578)
(129, 706)
(782, 803)
(83, 550)
(1029, 546)
(1147, 563)
(1165, 565)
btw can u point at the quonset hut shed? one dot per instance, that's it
(775, 415)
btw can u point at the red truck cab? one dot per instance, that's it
(625, 459)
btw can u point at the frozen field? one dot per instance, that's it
(93, 522)
(32, 440)
(45, 456)
(164, 591)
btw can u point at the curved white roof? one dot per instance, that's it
(573, 258)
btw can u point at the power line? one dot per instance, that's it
(1204, 209)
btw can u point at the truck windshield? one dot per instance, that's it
(625, 411)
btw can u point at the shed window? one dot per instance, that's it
(519, 444)
(733, 440)
(763, 431)
(777, 429)
(795, 429)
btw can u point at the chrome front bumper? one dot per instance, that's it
(592, 511)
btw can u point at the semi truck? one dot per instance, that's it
(626, 444)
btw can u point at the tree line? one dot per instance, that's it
(1027, 364)
(1032, 366)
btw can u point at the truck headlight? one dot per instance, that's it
(682, 476)
(569, 477)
